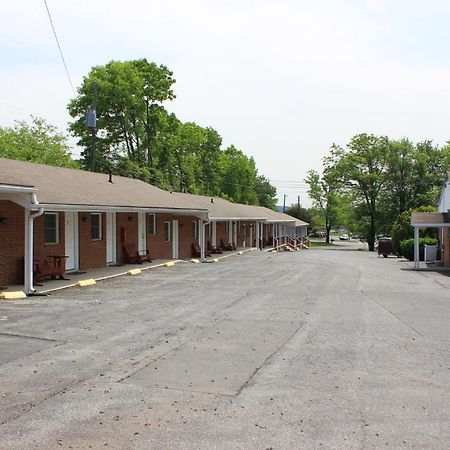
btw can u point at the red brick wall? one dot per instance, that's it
(127, 232)
(92, 253)
(163, 250)
(221, 233)
(40, 247)
(12, 236)
(185, 237)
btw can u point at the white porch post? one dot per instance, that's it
(416, 248)
(201, 237)
(230, 232)
(28, 254)
(214, 234)
(258, 234)
(28, 249)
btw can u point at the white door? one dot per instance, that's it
(110, 238)
(142, 235)
(175, 250)
(71, 240)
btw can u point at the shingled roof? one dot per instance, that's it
(60, 188)
(63, 186)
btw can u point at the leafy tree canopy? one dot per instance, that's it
(383, 178)
(138, 137)
(37, 142)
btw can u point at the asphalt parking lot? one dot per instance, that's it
(306, 350)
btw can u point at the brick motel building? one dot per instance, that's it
(87, 220)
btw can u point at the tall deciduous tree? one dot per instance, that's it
(37, 142)
(323, 191)
(129, 96)
(362, 167)
(137, 137)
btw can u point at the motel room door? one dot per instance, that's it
(142, 234)
(71, 240)
(110, 238)
(175, 244)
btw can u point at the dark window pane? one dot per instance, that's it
(151, 224)
(96, 224)
(167, 231)
(50, 228)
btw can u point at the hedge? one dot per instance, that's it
(407, 247)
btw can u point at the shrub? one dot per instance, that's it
(402, 229)
(407, 247)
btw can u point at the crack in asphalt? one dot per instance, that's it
(391, 312)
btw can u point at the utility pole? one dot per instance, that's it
(91, 123)
(284, 202)
(298, 203)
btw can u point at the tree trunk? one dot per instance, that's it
(371, 236)
(328, 231)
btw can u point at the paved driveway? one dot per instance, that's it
(315, 349)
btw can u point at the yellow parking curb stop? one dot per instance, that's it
(13, 295)
(134, 271)
(88, 282)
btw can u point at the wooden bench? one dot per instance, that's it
(133, 255)
(52, 266)
(213, 249)
(227, 247)
(196, 252)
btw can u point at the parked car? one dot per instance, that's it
(344, 237)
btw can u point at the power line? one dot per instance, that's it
(59, 47)
(12, 39)
(288, 181)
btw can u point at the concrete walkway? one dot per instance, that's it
(105, 273)
(306, 350)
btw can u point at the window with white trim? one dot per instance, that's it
(152, 224)
(51, 228)
(96, 226)
(166, 231)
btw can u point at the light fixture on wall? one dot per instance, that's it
(130, 218)
(3, 220)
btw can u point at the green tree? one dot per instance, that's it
(403, 230)
(137, 137)
(414, 174)
(362, 168)
(37, 142)
(301, 213)
(238, 176)
(265, 192)
(130, 96)
(323, 191)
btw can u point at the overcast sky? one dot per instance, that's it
(281, 80)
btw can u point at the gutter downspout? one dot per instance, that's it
(28, 256)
